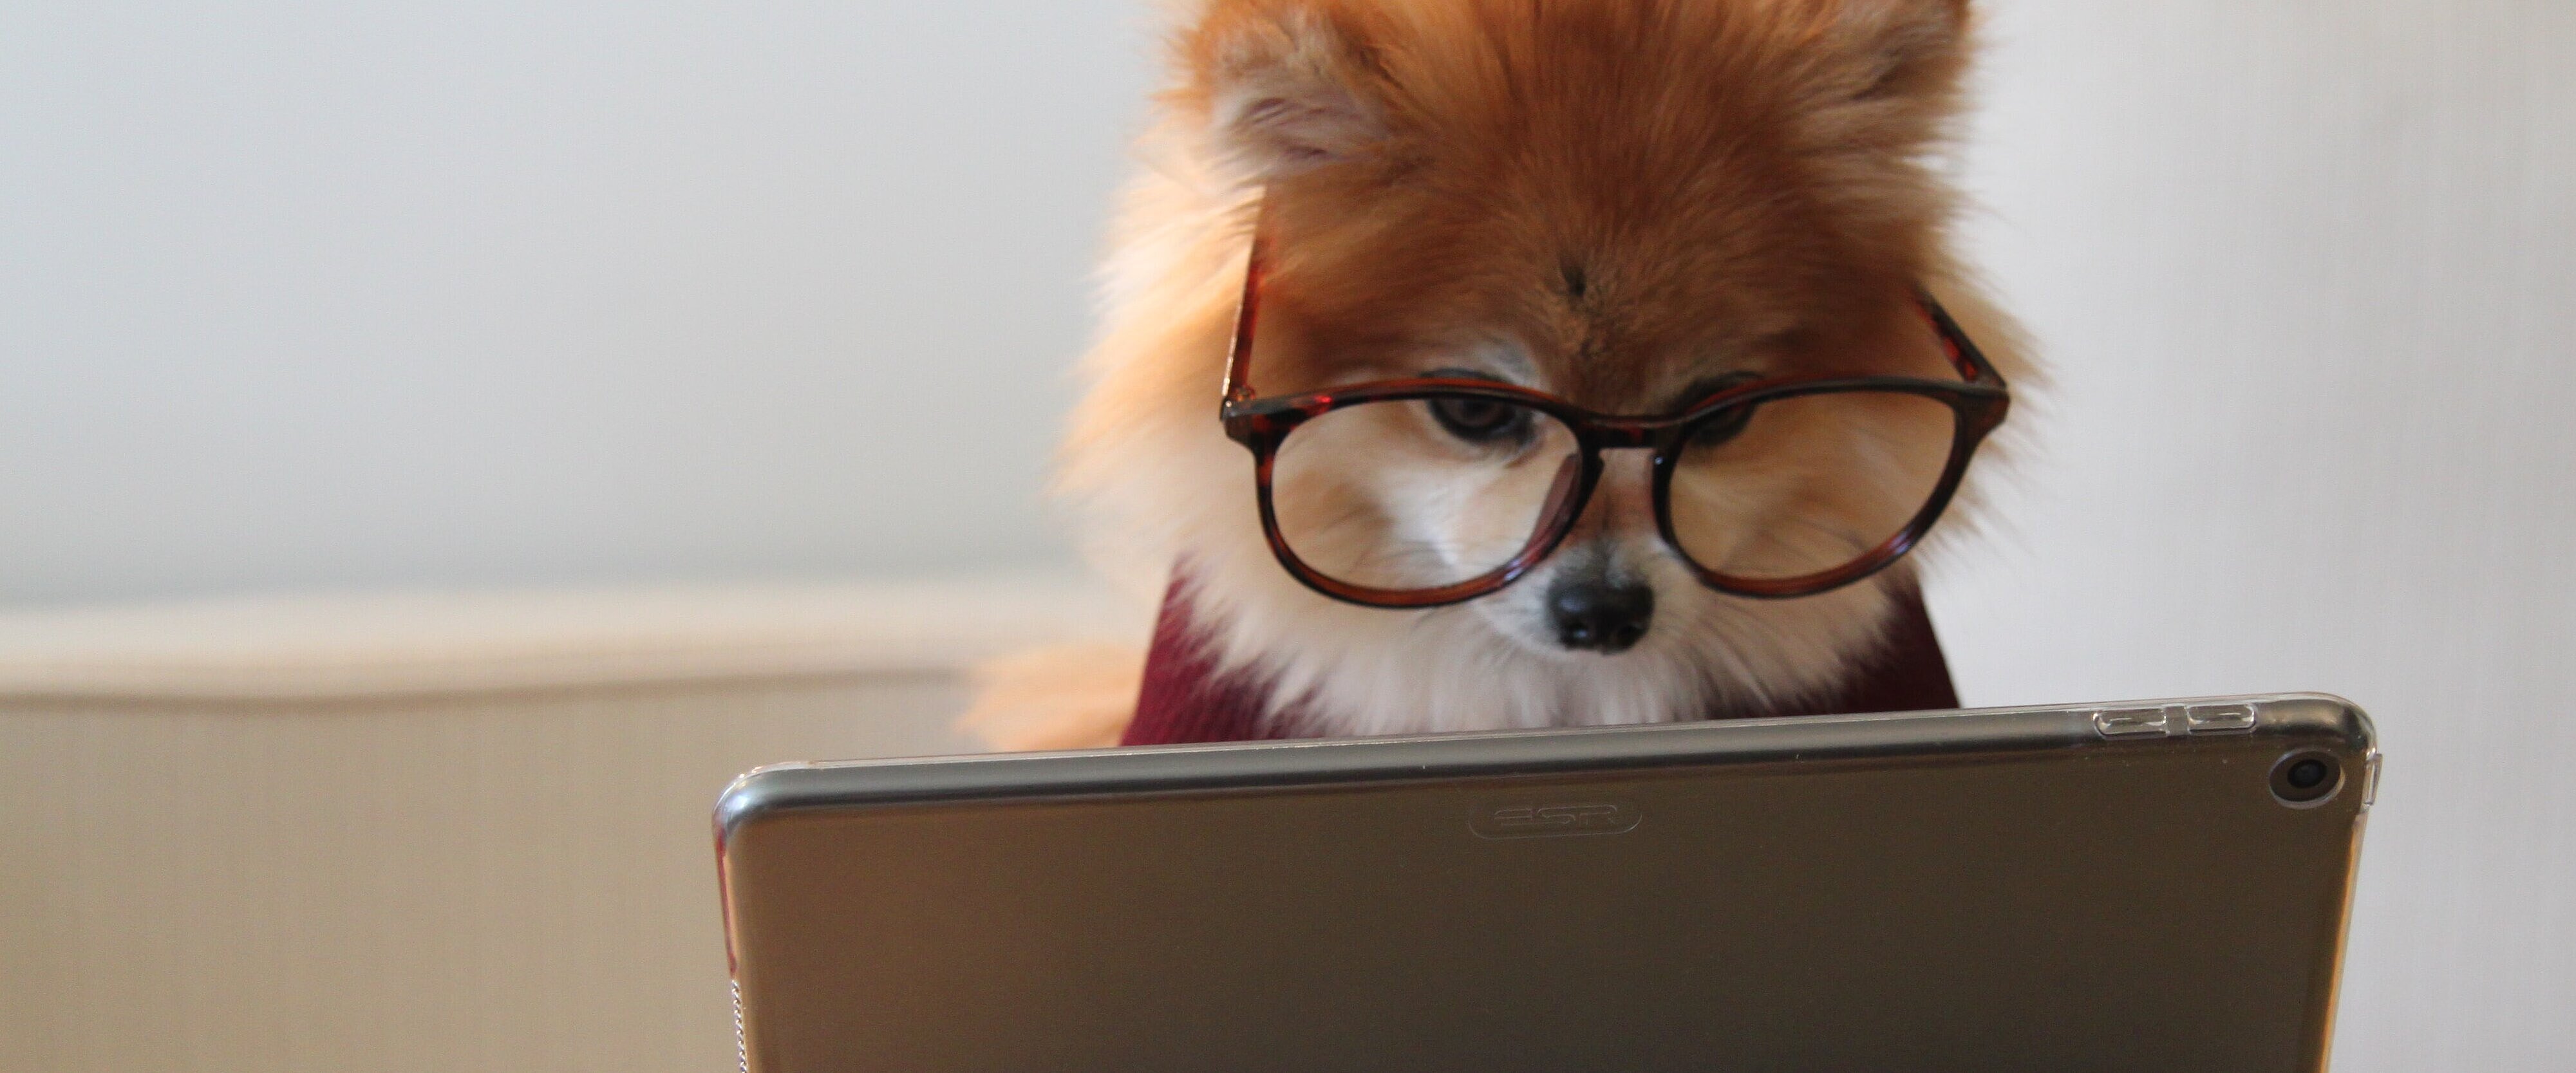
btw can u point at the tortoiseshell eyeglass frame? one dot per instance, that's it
(1979, 401)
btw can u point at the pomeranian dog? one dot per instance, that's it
(1582, 349)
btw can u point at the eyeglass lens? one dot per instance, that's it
(1413, 495)
(1808, 484)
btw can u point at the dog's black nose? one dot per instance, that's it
(1601, 615)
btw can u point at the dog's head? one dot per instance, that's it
(1627, 204)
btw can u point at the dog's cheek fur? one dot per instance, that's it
(1166, 490)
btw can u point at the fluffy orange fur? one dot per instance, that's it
(1610, 200)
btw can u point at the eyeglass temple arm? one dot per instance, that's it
(1962, 351)
(1238, 367)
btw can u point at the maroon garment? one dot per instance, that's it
(1185, 701)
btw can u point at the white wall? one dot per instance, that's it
(2307, 271)
(314, 295)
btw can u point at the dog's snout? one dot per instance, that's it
(1599, 614)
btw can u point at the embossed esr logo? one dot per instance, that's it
(1548, 819)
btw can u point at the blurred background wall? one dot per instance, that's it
(302, 294)
(305, 296)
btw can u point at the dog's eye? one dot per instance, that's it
(1720, 427)
(1724, 425)
(1480, 420)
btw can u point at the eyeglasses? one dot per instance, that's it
(1434, 490)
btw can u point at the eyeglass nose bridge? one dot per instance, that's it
(1627, 435)
(1580, 480)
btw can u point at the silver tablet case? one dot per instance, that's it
(2112, 887)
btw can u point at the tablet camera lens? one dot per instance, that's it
(2306, 779)
(2307, 774)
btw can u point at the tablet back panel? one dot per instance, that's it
(2118, 888)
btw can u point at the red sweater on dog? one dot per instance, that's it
(1185, 701)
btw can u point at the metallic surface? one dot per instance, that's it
(2011, 889)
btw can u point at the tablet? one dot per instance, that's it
(2142, 886)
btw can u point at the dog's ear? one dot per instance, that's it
(1287, 85)
(1906, 48)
